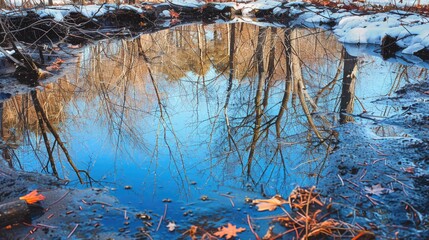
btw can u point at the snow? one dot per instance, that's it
(131, 8)
(188, 3)
(8, 52)
(91, 11)
(279, 11)
(411, 30)
(413, 48)
(58, 14)
(165, 14)
(263, 4)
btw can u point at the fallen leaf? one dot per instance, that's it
(174, 14)
(230, 231)
(54, 67)
(377, 190)
(192, 232)
(171, 226)
(409, 170)
(269, 204)
(58, 61)
(33, 197)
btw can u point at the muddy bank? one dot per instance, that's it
(89, 212)
(379, 175)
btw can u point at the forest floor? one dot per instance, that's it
(380, 181)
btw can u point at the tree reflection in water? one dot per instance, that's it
(229, 103)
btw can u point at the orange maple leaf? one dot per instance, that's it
(230, 231)
(33, 197)
(269, 204)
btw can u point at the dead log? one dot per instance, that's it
(14, 212)
(207, 11)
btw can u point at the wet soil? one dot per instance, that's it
(391, 152)
(88, 210)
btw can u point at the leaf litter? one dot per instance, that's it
(309, 217)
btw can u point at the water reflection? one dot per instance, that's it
(227, 106)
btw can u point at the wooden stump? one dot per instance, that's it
(14, 212)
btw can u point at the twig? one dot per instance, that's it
(45, 226)
(307, 209)
(159, 223)
(342, 182)
(232, 202)
(147, 235)
(74, 229)
(162, 217)
(101, 203)
(380, 153)
(363, 175)
(403, 184)
(251, 228)
(372, 200)
(58, 200)
(229, 197)
(165, 210)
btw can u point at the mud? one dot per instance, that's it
(392, 152)
(63, 209)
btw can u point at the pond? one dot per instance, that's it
(188, 122)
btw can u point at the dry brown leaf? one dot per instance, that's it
(269, 204)
(59, 61)
(53, 67)
(409, 170)
(192, 232)
(174, 14)
(229, 231)
(377, 190)
(269, 234)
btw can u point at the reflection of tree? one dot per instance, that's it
(259, 111)
(38, 113)
(268, 75)
(348, 87)
(44, 121)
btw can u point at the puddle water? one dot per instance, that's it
(201, 110)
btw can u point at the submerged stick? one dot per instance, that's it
(74, 229)
(14, 212)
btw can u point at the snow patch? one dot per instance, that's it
(165, 14)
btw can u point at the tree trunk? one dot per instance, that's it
(348, 87)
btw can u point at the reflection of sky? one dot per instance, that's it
(189, 144)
